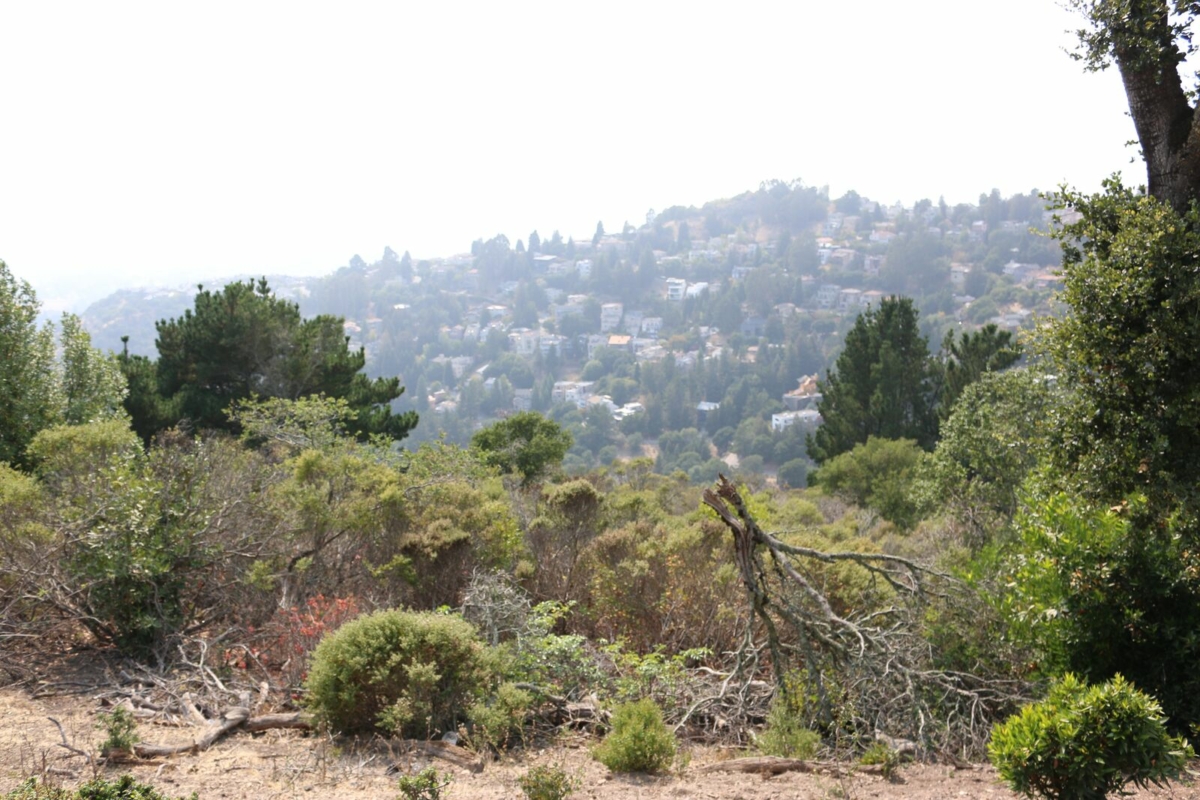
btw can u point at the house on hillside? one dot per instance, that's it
(610, 316)
(809, 418)
(803, 396)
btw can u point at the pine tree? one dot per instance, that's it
(882, 385)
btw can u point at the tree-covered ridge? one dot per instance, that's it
(763, 290)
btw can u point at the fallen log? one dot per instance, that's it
(769, 766)
(458, 756)
(234, 718)
(764, 765)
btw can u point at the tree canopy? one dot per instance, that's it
(526, 443)
(42, 384)
(243, 341)
(883, 384)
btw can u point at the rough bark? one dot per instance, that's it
(1167, 130)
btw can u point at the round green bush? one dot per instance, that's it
(408, 673)
(1084, 743)
(639, 740)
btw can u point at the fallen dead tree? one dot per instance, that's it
(236, 718)
(864, 671)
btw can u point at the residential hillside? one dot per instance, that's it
(696, 338)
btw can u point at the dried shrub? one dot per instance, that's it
(286, 641)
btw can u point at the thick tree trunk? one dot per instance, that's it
(1168, 134)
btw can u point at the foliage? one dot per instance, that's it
(880, 754)
(125, 787)
(991, 442)
(120, 731)
(666, 586)
(1130, 349)
(308, 423)
(639, 740)
(501, 718)
(403, 672)
(786, 735)
(547, 783)
(1085, 743)
(132, 523)
(794, 474)
(360, 518)
(571, 515)
(1111, 592)
(428, 784)
(526, 443)
(244, 341)
(39, 388)
(877, 475)
(285, 642)
(567, 662)
(970, 357)
(883, 384)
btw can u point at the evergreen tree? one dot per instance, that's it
(882, 385)
(244, 341)
(969, 357)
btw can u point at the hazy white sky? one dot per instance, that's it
(166, 142)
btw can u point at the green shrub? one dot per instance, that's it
(401, 672)
(639, 740)
(123, 788)
(425, 785)
(547, 783)
(882, 755)
(120, 731)
(786, 734)
(1083, 743)
(501, 717)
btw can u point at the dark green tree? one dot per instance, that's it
(1118, 531)
(525, 443)
(883, 384)
(244, 341)
(967, 358)
(149, 412)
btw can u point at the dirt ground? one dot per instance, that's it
(289, 764)
(284, 764)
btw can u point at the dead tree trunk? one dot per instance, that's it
(870, 670)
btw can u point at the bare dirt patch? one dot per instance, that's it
(284, 764)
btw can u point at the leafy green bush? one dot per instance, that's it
(401, 672)
(786, 734)
(881, 755)
(639, 740)
(1104, 591)
(425, 785)
(500, 718)
(1083, 743)
(120, 731)
(123, 788)
(546, 783)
